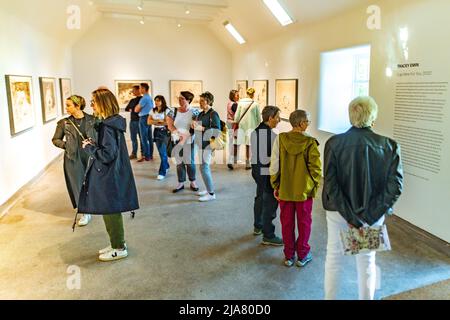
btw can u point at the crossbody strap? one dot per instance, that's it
(79, 132)
(242, 117)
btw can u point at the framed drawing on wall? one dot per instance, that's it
(19, 90)
(241, 87)
(48, 99)
(194, 86)
(261, 92)
(124, 90)
(286, 93)
(65, 85)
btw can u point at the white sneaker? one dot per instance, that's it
(160, 177)
(108, 249)
(113, 255)
(84, 220)
(207, 197)
(202, 193)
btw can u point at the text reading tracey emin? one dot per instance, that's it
(226, 310)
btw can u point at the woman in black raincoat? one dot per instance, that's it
(69, 135)
(109, 188)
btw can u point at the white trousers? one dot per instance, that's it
(365, 263)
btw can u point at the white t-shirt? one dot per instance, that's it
(183, 122)
(159, 116)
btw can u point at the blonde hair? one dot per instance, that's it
(78, 101)
(251, 92)
(363, 111)
(106, 103)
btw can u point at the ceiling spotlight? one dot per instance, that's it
(179, 25)
(142, 21)
(141, 6)
(186, 10)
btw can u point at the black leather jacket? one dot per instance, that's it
(363, 176)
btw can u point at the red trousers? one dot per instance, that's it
(289, 210)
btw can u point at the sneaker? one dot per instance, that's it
(305, 260)
(114, 254)
(84, 220)
(208, 197)
(275, 241)
(202, 193)
(108, 249)
(257, 231)
(160, 177)
(133, 156)
(289, 262)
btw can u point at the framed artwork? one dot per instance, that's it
(261, 92)
(194, 86)
(48, 99)
(124, 90)
(286, 93)
(19, 90)
(241, 87)
(65, 85)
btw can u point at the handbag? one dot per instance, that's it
(171, 144)
(236, 124)
(219, 142)
(364, 240)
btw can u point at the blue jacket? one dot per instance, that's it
(109, 185)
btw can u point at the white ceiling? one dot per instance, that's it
(250, 17)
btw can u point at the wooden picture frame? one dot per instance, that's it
(65, 89)
(49, 100)
(286, 96)
(124, 90)
(261, 92)
(194, 86)
(19, 91)
(241, 87)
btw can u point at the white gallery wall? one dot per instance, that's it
(121, 49)
(27, 51)
(296, 54)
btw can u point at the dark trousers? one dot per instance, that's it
(185, 158)
(134, 133)
(161, 138)
(146, 137)
(265, 210)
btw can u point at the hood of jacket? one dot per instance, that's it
(295, 142)
(116, 122)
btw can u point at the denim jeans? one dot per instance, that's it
(334, 262)
(146, 137)
(134, 133)
(185, 159)
(205, 169)
(161, 138)
(265, 211)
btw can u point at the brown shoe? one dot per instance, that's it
(133, 156)
(141, 159)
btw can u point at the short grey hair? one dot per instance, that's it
(363, 111)
(298, 116)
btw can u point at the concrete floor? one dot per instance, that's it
(180, 249)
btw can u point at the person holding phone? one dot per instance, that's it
(69, 135)
(109, 188)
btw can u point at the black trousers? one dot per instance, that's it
(265, 211)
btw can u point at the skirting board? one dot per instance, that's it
(402, 226)
(17, 196)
